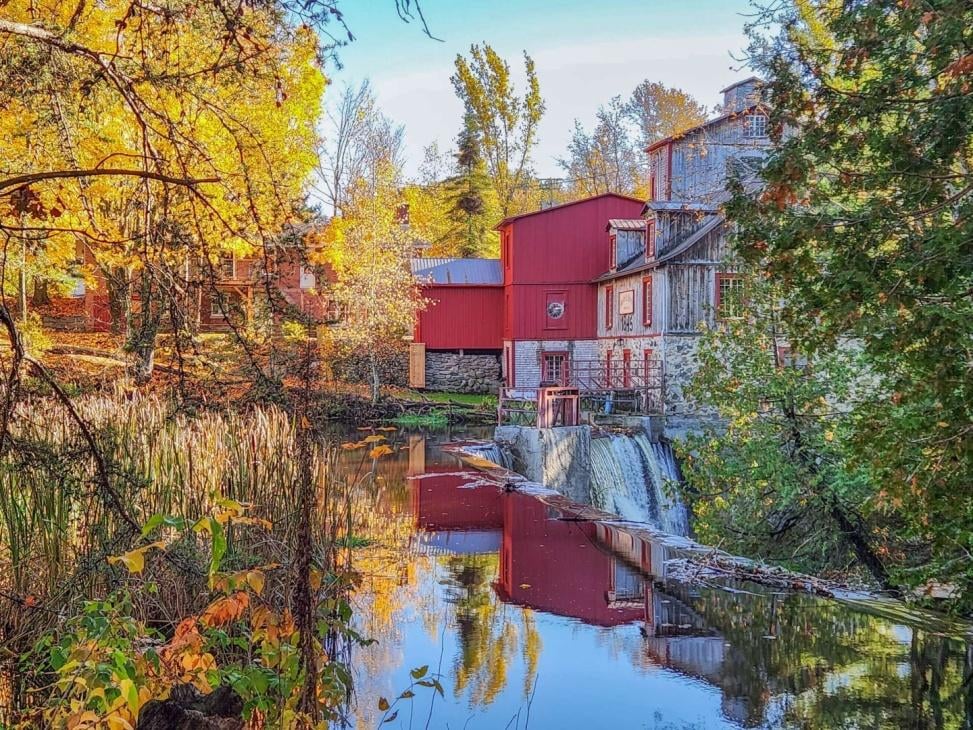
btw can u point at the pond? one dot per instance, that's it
(530, 616)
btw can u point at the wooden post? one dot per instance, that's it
(417, 365)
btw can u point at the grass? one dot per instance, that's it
(435, 419)
(469, 399)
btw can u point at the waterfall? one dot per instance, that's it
(629, 476)
(491, 451)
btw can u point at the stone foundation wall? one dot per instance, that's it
(681, 363)
(559, 458)
(466, 373)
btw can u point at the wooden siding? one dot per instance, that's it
(629, 325)
(710, 248)
(691, 294)
(461, 318)
(558, 250)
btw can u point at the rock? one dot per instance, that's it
(188, 709)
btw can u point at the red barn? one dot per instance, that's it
(537, 304)
(550, 259)
(457, 338)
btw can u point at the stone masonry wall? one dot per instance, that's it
(466, 373)
(681, 363)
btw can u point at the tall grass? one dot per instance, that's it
(160, 462)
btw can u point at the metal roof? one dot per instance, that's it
(627, 224)
(485, 272)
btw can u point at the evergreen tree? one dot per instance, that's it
(469, 194)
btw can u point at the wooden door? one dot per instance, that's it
(417, 365)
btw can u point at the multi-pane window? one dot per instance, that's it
(227, 267)
(729, 296)
(754, 125)
(555, 367)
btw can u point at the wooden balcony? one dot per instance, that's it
(604, 387)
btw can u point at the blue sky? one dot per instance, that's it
(586, 51)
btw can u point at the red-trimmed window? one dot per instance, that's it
(555, 368)
(648, 365)
(612, 252)
(647, 301)
(729, 296)
(609, 307)
(649, 240)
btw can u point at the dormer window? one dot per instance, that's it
(626, 245)
(754, 126)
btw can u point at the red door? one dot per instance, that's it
(626, 368)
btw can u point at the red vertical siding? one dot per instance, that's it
(461, 317)
(559, 250)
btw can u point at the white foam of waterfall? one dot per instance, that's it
(633, 478)
(491, 451)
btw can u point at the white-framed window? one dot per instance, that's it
(227, 267)
(754, 126)
(219, 305)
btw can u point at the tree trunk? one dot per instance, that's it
(119, 298)
(143, 361)
(42, 295)
(376, 382)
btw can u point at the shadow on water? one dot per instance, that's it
(530, 612)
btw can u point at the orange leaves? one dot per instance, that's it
(378, 451)
(962, 66)
(225, 610)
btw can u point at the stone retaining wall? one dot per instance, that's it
(466, 373)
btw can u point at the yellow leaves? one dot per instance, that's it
(225, 610)
(252, 579)
(373, 439)
(380, 451)
(134, 560)
(829, 436)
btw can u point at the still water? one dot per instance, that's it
(531, 617)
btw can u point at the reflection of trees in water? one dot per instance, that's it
(488, 635)
(838, 667)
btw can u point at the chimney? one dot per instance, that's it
(740, 95)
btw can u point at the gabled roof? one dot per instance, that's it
(639, 264)
(512, 218)
(704, 125)
(482, 272)
(626, 224)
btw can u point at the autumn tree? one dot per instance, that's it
(607, 159)
(659, 111)
(359, 144)
(156, 140)
(866, 224)
(505, 122)
(370, 249)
